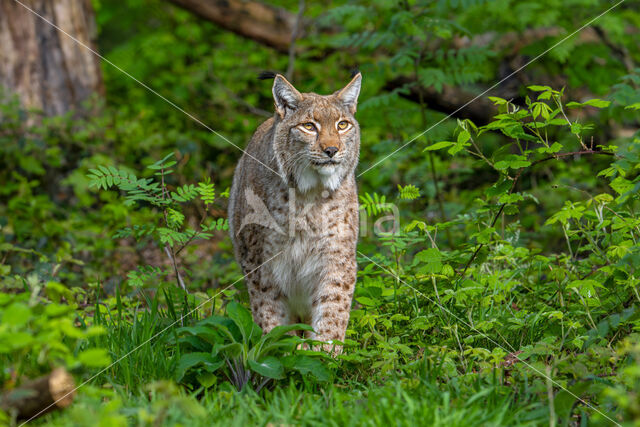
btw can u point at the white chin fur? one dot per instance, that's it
(328, 176)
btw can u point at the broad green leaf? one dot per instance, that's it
(553, 148)
(366, 301)
(497, 101)
(17, 314)
(224, 325)
(190, 360)
(463, 137)
(501, 187)
(598, 103)
(269, 367)
(281, 330)
(205, 333)
(229, 350)
(15, 341)
(251, 332)
(307, 365)
(431, 260)
(95, 358)
(439, 145)
(512, 161)
(538, 88)
(206, 379)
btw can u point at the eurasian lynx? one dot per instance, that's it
(304, 221)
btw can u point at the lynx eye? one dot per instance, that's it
(342, 125)
(309, 126)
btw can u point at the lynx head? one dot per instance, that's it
(316, 137)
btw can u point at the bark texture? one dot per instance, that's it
(44, 67)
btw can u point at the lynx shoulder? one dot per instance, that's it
(293, 211)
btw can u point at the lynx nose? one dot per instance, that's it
(330, 151)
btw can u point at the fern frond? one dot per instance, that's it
(221, 224)
(144, 273)
(137, 231)
(409, 192)
(136, 189)
(171, 237)
(375, 204)
(174, 218)
(185, 193)
(207, 191)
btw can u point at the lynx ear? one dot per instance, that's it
(349, 94)
(285, 95)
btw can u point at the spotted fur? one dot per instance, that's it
(313, 141)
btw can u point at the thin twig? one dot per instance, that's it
(172, 258)
(196, 234)
(168, 249)
(294, 35)
(432, 166)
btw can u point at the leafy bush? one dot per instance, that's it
(237, 345)
(37, 334)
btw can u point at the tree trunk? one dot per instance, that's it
(46, 68)
(40, 396)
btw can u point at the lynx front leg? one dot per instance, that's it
(267, 306)
(331, 306)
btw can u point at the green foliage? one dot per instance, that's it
(374, 204)
(508, 296)
(409, 192)
(237, 345)
(171, 230)
(41, 333)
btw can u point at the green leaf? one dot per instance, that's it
(463, 137)
(512, 161)
(190, 360)
(366, 301)
(17, 314)
(432, 260)
(497, 101)
(269, 367)
(95, 358)
(554, 148)
(500, 187)
(250, 331)
(307, 365)
(207, 334)
(439, 145)
(537, 88)
(510, 198)
(277, 332)
(230, 351)
(598, 103)
(207, 379)
(224, 325)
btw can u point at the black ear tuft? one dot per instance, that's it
(354, 72)
(267, 75)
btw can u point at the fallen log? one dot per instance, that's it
(266, 24)
(39, 396)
